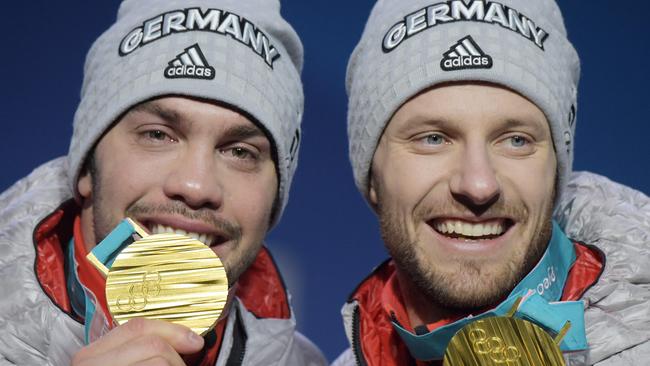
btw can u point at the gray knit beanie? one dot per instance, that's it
(241, 53)
(409, 46)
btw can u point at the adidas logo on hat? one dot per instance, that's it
(190, 64)
(465, 54)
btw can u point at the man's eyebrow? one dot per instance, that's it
(453, 126)
(420, 120)
(243, 132)
(168, 115)
(510, 123)
(240, 132)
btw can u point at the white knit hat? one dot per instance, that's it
(241, 53)
(409, 46)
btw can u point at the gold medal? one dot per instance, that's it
(169, 277)
(504, 341)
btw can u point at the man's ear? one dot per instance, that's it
(372, 191)
(85, 184)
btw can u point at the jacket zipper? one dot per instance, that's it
(241, 355)
(356, 342)
(238, 350)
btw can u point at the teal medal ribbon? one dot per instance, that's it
(83, 301)
(95, 324)
(540, 291)
(108, 249)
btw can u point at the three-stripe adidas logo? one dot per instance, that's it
(465, 54)
(190, 64)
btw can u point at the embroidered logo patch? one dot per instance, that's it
(465, 54)
(190, 64)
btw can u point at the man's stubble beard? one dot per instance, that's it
(235, 265)
(466, 288)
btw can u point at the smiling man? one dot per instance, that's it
(461, 125)
(462, 234)
(189, 122)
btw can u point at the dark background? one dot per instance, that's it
(328, 238)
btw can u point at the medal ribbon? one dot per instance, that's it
(540, 291)
(98, 320)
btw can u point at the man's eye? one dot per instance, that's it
(518, 141)
(434, 139)
(157, 135)
(241, 153)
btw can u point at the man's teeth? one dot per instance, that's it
(469, 229)
(204, 238)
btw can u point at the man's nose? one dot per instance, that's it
(475, 181)
(193, 179)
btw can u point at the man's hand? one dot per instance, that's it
(141, 342)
